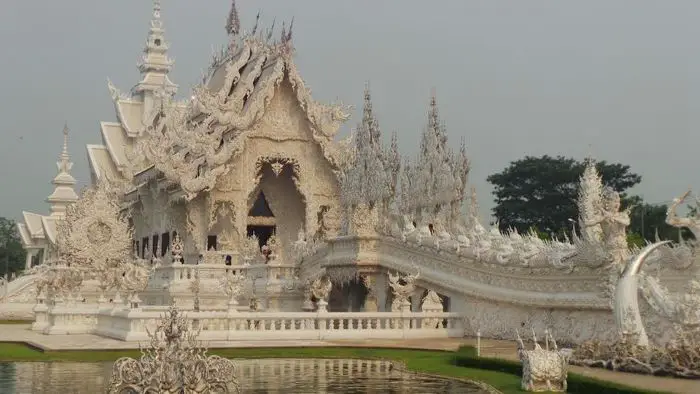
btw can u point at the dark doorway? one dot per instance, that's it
(261, 208)
(262, 232)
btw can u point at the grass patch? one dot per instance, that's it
(466, 357)
(16, 321)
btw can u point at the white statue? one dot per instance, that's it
(614, 225)
(174, 363)
(233, 286)
(692, 222)
(403, 287)
(321, 289)
(543, 369)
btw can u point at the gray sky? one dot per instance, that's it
(618, 79)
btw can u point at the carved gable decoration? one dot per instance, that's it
(284, 118)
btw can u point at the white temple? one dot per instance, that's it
(239, 199)
(38, 231)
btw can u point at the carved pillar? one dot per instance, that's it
(381, 287)
(28, 261)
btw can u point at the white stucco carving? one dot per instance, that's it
(338, 215)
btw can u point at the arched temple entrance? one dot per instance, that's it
(276, 206)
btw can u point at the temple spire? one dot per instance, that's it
(155, 63)
(233, 23)
(63, 193)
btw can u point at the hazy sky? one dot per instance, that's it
(618, 79)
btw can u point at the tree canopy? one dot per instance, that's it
(541, 192)
(12, 254)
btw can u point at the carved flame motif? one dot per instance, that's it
(174, 363)
(277, 168)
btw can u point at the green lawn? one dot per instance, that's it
(16, 321)
(502, 375)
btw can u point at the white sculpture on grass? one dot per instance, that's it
(543, 369)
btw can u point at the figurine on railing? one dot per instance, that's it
(402, 286)
(176, 249)
(233, 286)
(321, 290)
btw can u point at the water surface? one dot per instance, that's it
(281, 376)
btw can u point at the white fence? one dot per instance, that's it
(132, 324)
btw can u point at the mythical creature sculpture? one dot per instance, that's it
(683, 309)
(403, 287)
(543, 369)
(174, 363)
(321, 289)
(692, 222)
(632, 350)
(614, 224)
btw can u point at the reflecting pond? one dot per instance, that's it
(255, 376)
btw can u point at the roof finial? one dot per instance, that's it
(156, 9)
(63, 194)
(64, 153)
(289, 33)
(233, 23)
(283, 37)
(257, 21)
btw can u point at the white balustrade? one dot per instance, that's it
(131, 324)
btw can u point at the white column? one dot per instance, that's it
(28, 261)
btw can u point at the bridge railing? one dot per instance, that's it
(134, 324)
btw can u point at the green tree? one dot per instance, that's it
(12, 254)
(649, 221)
(541, 192)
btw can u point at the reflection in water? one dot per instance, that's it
(255, 376)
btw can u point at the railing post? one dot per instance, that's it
(478, 343)
(322, 310)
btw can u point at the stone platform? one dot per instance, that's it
(489, 348)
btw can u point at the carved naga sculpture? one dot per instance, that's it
(402, 287)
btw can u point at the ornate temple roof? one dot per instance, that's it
(37, 230)
(192, 143)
